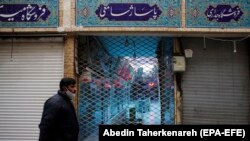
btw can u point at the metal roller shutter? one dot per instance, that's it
(216, 83)
(30, 72)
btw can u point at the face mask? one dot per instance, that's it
(70, 94)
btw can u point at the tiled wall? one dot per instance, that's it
(143, 15)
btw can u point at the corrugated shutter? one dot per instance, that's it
(216, 83)
(29, 73)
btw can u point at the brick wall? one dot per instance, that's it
(69, 60)
(69, 50)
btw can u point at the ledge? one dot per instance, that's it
(151, 31)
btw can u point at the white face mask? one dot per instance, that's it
(70, 94)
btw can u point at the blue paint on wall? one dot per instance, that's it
(218, 13)
(170, 16)
(28, 13)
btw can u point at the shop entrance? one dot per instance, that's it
(124, 80)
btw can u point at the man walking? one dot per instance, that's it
(59, 120)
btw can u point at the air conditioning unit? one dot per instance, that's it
(179, 64)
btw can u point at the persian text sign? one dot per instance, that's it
(23, 13)
(128, 12)
(218, 13)
(223, 13)
(145, 13)
(29, 13)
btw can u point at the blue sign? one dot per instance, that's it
(128, 12)
(223, 13)
(23, 13)
(29, 13)
(139, 13)
(217, 14)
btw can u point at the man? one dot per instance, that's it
(59, 121)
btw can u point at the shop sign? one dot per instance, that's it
(223, 13)
(23, 13)
(217, 14)
(139, 13)
(28, 13)
(128, 12)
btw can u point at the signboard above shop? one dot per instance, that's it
(128, 12)
(23, 13)
(29, 13)
(218, 13)
(146, 13)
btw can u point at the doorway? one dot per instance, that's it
(124, 80)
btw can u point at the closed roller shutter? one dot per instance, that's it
(216, 83)
(30, 72)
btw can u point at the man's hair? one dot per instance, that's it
(65, 82)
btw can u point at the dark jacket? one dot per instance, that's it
(59, 121)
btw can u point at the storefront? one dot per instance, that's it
(216, 81)
(124, 80)
(124, 57)
(31, 65)
(30, 70)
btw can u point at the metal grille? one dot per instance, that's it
(124, 80)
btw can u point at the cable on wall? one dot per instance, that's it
(235, 50)
(12, 45)
(234, 41)
(204, 47)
